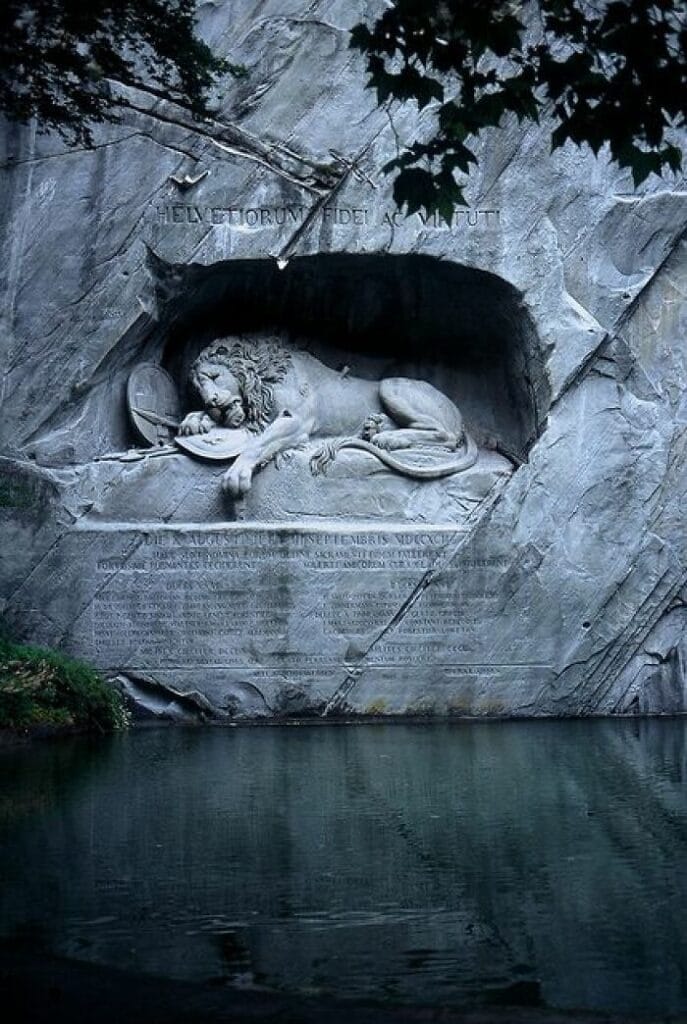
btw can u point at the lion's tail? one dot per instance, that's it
(457, 464)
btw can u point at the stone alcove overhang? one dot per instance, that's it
(465, 330)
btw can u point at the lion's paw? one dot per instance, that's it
(372, 425)
(386, 440)
(195, 423)
(237, 480)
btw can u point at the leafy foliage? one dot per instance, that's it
(608, 71)
(58, 59)
(44, 688)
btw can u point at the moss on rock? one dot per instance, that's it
(42, 688)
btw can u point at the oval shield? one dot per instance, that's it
(153, 403)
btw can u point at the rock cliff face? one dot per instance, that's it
(548, 579)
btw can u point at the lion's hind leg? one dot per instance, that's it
(424, 415)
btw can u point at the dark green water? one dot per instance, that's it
(433, 864)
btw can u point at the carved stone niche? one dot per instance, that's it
(363, 337)
(359, 590)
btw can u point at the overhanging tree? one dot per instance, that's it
(607, 72)
(59, 58)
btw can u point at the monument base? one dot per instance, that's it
(222, 621)
(234, 620)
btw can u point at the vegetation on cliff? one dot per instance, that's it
(62, 61)
(607, 73)
(45, 689)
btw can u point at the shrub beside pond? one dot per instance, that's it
(41, 688)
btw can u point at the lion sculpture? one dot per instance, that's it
(285, 398)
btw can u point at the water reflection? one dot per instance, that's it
(423, 863)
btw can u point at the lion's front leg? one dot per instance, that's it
(237, 480)
(287, 431)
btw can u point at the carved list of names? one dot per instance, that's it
(275, 596)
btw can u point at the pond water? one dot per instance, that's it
(421, 863)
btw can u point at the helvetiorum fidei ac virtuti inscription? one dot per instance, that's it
(269, 446)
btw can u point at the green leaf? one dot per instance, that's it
(451, 122)
(445, 209)
(458, 156)
(559, 135)
(673, 158)
(414, 189)
(643, 165)
(361, 38)
(448, 195)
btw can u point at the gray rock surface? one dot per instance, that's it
(552, 311)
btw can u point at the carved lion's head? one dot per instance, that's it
(235, 379)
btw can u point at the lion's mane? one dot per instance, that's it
(257, 365)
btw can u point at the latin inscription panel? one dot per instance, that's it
(273, 597)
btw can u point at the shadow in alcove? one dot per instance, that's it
(466, 331)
